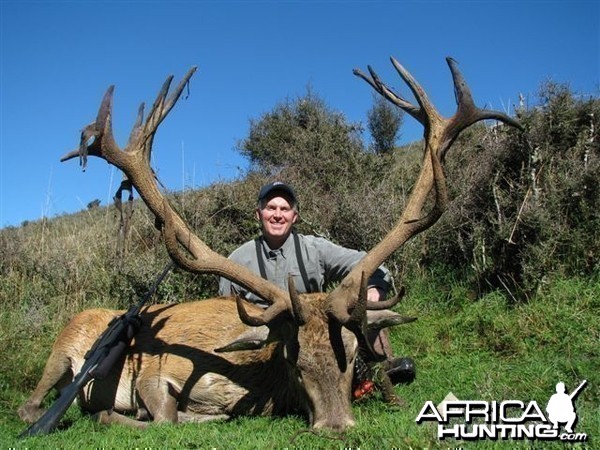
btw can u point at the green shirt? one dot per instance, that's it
(325, 263)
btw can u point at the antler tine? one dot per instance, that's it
(265, 318)
(389, 94)
(178, 90)
(103, 144)
(462, 93)
(137, 126)
(99, 130)
(162, 106)
(428, 111)
(386, 304)
(467, 112)
(105, 110)
(154, 118)
(298, 310)
(155, 112)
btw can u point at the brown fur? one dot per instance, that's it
(171, 372)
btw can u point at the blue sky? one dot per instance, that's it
(59, 57)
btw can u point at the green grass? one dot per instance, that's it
(485, 349)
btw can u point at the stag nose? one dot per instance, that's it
(338, 424)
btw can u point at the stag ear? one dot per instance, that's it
(252, 339)
(378, 320)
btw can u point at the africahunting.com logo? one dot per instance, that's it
(509, 419)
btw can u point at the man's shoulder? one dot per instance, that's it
(308, 240)
(243, 249)
(312, 239)
(318, 242)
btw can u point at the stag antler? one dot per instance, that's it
(97, 140)
(439, 134)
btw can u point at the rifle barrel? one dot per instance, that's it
(576, 391)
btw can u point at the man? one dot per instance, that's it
(560, 407)
(313, 262)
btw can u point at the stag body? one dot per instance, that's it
(174, 373)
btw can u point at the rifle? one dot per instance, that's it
(98, 360)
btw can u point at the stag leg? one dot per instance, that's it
(108, 417)
(158, 398)
(381, 343)
(57, 374)
(199, 418)
(387, 389)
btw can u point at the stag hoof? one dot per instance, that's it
(30, 413)
(103, 417)
(109, 416)
(394, 400)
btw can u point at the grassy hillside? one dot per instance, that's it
(506, 286)
(482, 349)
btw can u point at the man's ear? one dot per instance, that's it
(258, 214)
(295, 218)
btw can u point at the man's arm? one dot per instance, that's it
(245, 255)
(225, 287)
(375, 294)
(338, 261)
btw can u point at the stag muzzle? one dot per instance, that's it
(338, 424)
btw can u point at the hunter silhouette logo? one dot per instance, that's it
(560, 407)
(508, 419)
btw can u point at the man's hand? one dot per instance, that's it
(375, 294)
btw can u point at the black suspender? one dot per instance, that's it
(310, 285)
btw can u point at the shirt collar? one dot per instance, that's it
(285, 250)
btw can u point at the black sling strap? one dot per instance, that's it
(311, 287)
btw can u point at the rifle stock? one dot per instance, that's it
(107, 349)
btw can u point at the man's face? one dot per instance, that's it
(277, 218)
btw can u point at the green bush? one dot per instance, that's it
(524, 205)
